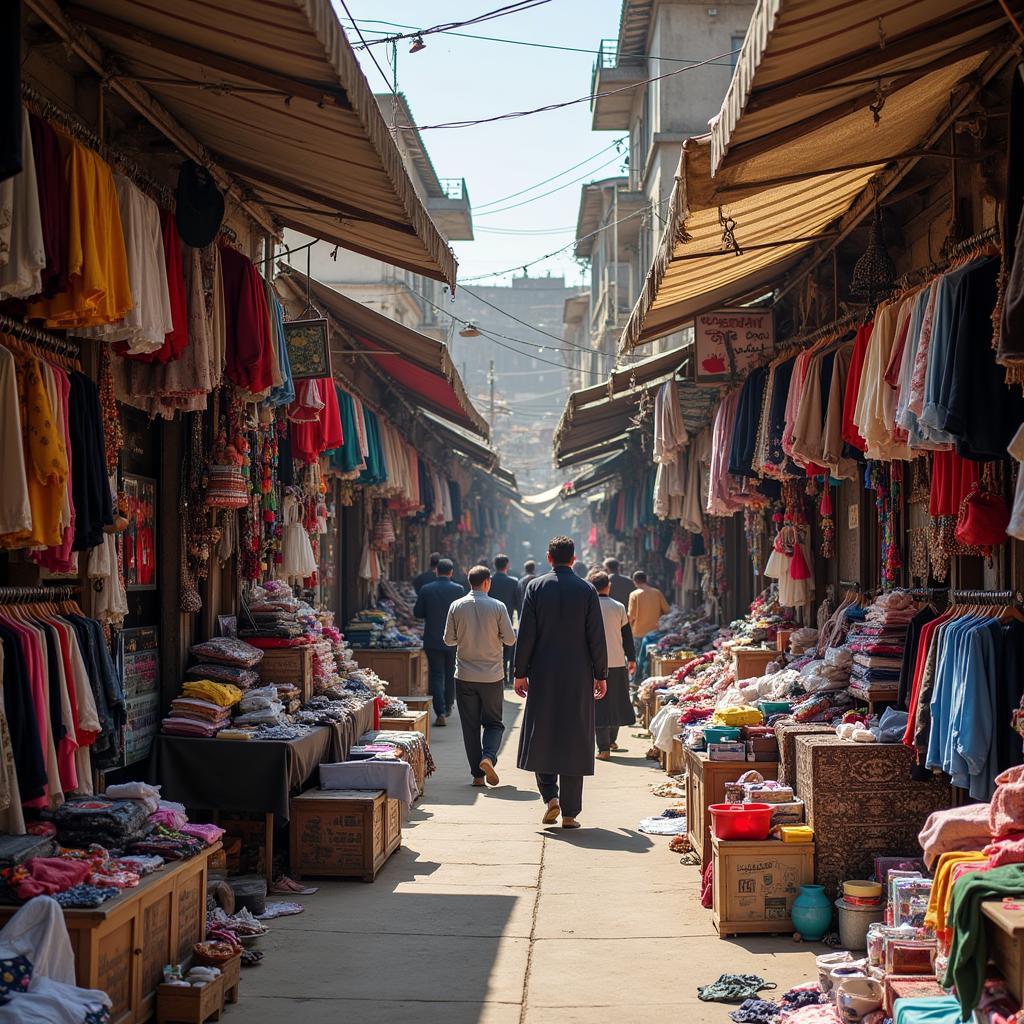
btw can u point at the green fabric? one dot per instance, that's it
(348, 457)
(927, 1010)
(968, 957)
(376, 471)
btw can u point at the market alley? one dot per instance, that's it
(485, 917)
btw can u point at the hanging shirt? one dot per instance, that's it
(22, 247)
(15, 508)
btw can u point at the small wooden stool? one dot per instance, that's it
(176, 1004)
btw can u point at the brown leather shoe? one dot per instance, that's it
(487, 767)
(603, 755)
(440, 720)
(570, 823)
(552, 813)
(479, 782)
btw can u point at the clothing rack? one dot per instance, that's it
(837, 327)
(57, 592)
(987, 596)
(43, 339)
(960, 249)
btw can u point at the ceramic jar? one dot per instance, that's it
(812, 912)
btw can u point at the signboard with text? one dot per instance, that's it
(731, 341)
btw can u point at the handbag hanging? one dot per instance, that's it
(226, 484)
(983, 516)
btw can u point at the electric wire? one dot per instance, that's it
(359, 32)
(501, 12)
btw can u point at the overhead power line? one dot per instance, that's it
(505, 312)
(515, 195)
(387, 81)
(501, 12)
(565, 103)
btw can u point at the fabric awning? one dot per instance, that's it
(543, 497)
(419, 365)
(462, 443)
(783, 194)
(273, 90)
(596, 476)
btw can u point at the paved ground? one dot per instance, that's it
(485, 917)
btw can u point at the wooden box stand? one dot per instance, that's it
(705, 785)
(755, 884)
(405, 670)
(121, 946)
(289, 665)
(343, 833)
(749, 662)
(673, 761)
(663, 666)
(1005, 928)
(414, 721)
(176, 1004)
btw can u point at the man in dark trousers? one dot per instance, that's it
(429, 576)
(432, 606)
(529, 573)
(621, 586)
(561, 666)
(480, 630)
(505, 588)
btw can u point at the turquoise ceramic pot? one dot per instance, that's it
(812, 912)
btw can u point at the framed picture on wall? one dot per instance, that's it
(309, 348)
(138, 542)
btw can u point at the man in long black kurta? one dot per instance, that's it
(561, 667)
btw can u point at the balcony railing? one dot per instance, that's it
(454, 188)
(607, 57)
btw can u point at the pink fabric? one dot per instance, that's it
(958, 828)
(723, 490)
(1006, 814)
(49, 875)
(208, 833)
(169, 818)
(816, 1013)
(1006, 851)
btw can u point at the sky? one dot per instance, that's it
(457, 78)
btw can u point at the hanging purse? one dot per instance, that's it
(226, 485)
(983, 516)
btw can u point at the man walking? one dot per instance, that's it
(561, 667)
(621, 586)
(480, 630)
(432, 606)
(429, 575)
(529, 573)
(616, 709)
(505, 588)
(647, 604)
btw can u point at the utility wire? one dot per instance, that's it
(550, 191)
(362, 39)
(504, 312)
(514, 8)
(469, 123)
(515, 195)
(524, 231)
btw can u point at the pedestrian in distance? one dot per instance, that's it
(429, 575)
(505, 588)
(432, 606)
(621, 586)
(529, 573)
(479, 627)
(647, 604)
(616, 710)
(561, 666)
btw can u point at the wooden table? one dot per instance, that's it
(404, 669)
(1004, 923)
(413, 721)
(705, 785)
(121, 947)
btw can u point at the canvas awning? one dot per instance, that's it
(543, 497)
(785, 190)
(273, 91)
(420, 366)
(462, 443)
(595, 476)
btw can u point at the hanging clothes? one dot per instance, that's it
(247, 324)
(22, 244)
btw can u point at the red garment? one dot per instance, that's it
(309, 439)
(49, 875)
(1006, 851)
(952, 478)
(177, 341)
(247, 324)
(851, 435)
(267, 643)
(924, 642)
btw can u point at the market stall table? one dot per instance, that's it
(403, 668)
(412, 721)
(243, 776)
(122, 945)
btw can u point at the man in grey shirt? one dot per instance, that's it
(479, 628)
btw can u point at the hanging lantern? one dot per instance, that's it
(874, 273)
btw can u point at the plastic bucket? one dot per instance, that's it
(721, 733)
(751, 822)
(854, 923)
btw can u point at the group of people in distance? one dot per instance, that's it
(571, 659)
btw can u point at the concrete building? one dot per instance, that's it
(400, 294)
(656, 38)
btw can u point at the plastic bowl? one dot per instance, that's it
(751, 822)
(720, 733)
(774, 707)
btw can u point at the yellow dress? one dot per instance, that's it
(100, 291)
(46, 460)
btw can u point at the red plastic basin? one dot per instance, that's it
(741, 821)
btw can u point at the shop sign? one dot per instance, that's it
(729, 342)
(309, 348)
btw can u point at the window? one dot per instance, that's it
(735, 45)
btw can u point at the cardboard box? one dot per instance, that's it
(755, 884)
(727, 751)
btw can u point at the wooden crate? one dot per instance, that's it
(755, 884)
(665, 666)
(748, 662)
(414, 721)
(1005, 928)
(674, 760)
(405, 671)
(178, 1005)
(343, 833)
(122, 946)
(705, 785)
(289, 665)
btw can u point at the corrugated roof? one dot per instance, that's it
(273, 91)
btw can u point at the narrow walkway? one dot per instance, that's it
(485, 917)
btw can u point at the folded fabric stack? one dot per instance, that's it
(289, 695)
(167, 843)
(405, 744)
(190, 716)
(84, 821)
(225, 695)
(226, 650)
(243, 678)
(877, 644)
(260, 707)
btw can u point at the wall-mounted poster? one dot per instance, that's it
(309, 348)
(138, 542)
(748, 334)
(138, 663)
